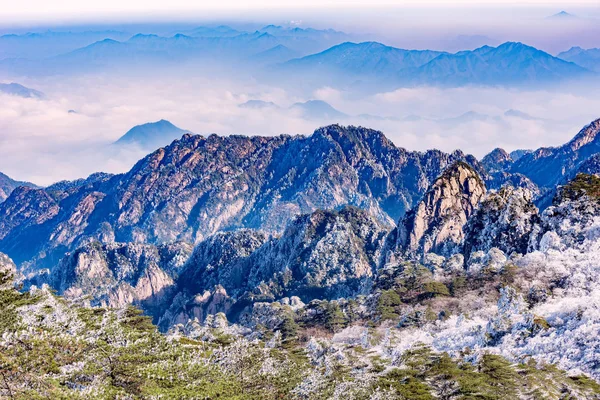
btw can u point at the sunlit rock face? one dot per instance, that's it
(118, 274)
(436, 223)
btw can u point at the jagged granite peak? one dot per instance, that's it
(505, 220)
(436, 223)
(497, 160)
(325, 254)
(118, 274)
(550, 166)
(198, 186)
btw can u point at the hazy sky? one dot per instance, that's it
(43, 10)
(43, 142)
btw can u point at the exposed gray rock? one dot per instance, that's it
(549, 166)
(436, 223)
(118, 274)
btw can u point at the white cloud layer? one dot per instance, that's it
(42, 142)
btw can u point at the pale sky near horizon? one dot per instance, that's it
(14, 11)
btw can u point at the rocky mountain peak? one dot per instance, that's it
(587, 135)
(324, 254)
(436, 223)
(497, 160)
(548, 167)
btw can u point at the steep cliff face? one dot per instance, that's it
(326, 254)
(118, 274)
(198, 186)
(505, 220)
(436, 223)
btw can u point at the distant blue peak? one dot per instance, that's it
(142, 35)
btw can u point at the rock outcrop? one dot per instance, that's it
(573, 217)
(505, 220)
(118, 274)
(436, 223)
(7, 272)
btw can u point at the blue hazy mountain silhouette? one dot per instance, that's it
(367, 58)
(16, 89)
(259, 104)
(371, 65)
(274, 55)
(509, 63)
(563, 16)
(317, 109)
(151, 135)
(38, 45)
(587, 58)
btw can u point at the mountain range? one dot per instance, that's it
(317, 56)
(266, 182)
(510, 63)
(377, 249)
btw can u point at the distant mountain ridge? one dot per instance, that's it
(16, 89)
(284, 54)
(510, 63)
(151, 135)
(367, 58)
(588, 58)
